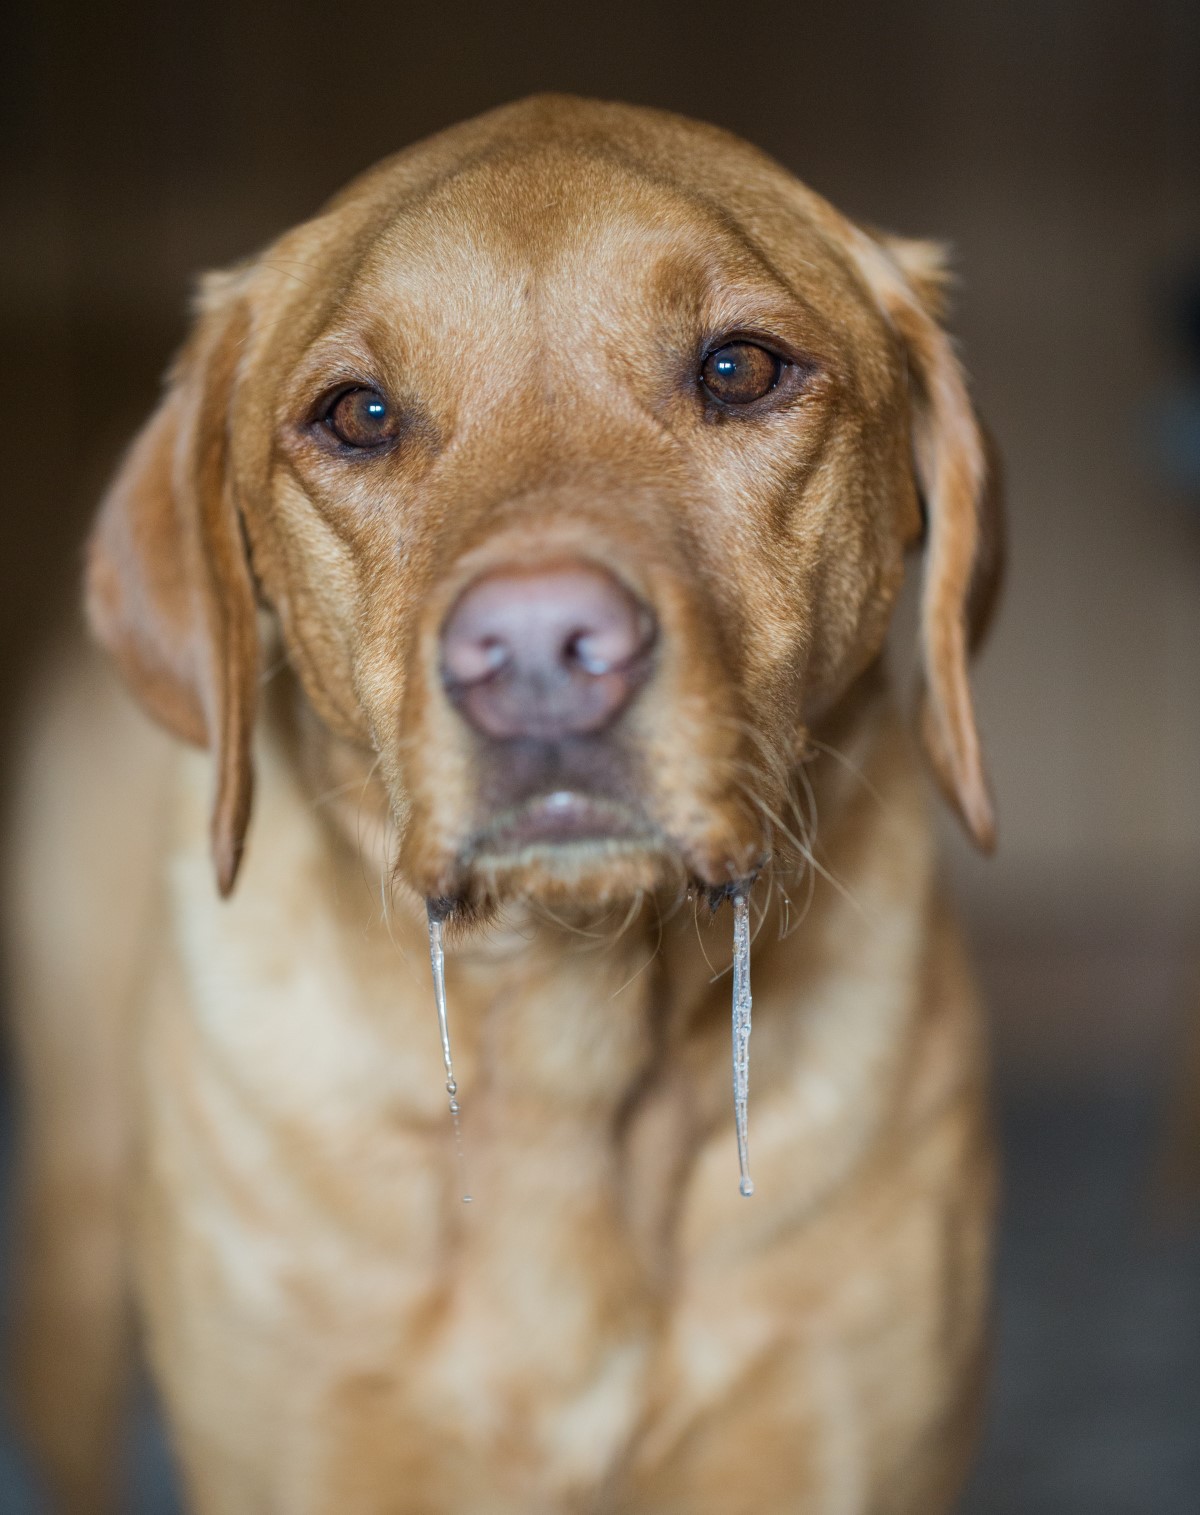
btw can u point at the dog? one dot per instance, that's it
(524, 530)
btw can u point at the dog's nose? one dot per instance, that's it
(545, 652)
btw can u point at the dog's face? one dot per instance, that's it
(576, 453)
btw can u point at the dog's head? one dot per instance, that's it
(575, 453)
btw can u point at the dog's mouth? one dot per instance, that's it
(577, 853)
(567, 819)
(564, 846)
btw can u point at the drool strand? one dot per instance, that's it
(437, 959)
(742, 1003)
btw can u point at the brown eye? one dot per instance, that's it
(362, 418)
(740, 373)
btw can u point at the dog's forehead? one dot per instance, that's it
(577, 203)
(558, 236)
(550, 149)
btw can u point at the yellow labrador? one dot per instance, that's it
(529, 524)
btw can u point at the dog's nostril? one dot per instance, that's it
(545, 652)
(588, 651)
(493, 655)
(471, 659)
(611, 642)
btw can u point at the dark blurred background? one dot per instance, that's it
(1056, 145)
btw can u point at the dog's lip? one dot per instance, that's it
(562, 817)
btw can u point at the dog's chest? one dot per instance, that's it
(305, 1199)
(321, 1300)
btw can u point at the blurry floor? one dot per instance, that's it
(1096, 1401)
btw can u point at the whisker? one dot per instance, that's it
(273, 670)
(811, 824)
(277, 267)
(714, 975)
(657, 949)
(331, 794)
(851, 767)
(807, 854)
(572, 928)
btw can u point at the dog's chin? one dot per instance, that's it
(564, 850)
(576, 853)
(572, 877)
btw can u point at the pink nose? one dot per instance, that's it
(545, 652)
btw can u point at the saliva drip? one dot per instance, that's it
(742, 1006)
(742, 1003)
(437, 959)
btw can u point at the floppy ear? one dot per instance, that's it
(958, 475)
(169, 589)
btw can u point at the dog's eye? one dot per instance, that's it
(362, 418)
(740, 373)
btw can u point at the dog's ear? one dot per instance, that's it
(169, 588)
(958, 476)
